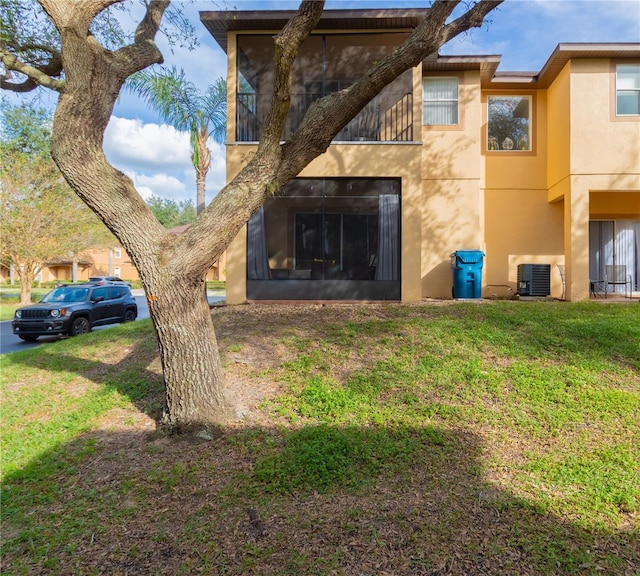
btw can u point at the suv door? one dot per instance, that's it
(117, 297)
(101, 311)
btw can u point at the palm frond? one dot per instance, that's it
(215, 109)
(169, 93)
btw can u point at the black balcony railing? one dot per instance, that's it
(387, 118)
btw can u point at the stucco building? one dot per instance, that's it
(529, 168)
(114, 261)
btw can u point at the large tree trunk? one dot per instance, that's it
(171, 269)
(194, 379)
(193, 376)
(27, 275)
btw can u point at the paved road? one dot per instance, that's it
(9, 342)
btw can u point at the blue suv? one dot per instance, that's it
(75, 309)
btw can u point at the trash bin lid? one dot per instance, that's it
(469, 256)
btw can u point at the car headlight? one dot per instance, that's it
(18, 313)
(55, 313)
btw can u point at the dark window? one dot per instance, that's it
(325, 64)
(100, 293)
(118, 292)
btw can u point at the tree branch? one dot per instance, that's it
(234, 203)
(150, 24)
(36, 75)
(144, 51)
(328, 115)
(472, 18)
(287, 44)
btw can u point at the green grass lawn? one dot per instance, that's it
(446, 438)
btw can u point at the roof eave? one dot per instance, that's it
(220, 23)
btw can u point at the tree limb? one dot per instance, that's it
(144, 51)
(319, 127)
(287, 44)
(472, 18)
(36, 75)
(235, 203)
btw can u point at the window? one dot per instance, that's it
(100, 293)
(615, 242)
(440, 101)
(117, 292)
(628, 90)
(117, 252)
(325, 63)
(509, 123)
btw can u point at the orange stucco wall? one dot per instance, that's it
(518, 207)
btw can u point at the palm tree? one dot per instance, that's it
(180, 104)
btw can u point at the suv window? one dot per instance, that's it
(100, 293)
(117, 292)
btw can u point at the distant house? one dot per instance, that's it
(529, 168)
(93, 262)
(103, 262)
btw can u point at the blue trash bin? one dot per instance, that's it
(467, 273)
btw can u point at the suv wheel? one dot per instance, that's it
(80, 326)
(129, 316)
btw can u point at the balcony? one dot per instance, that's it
(387, 118)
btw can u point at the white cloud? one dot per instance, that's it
(133, 143)
(161, 185)
(216, 178)
(157, 158)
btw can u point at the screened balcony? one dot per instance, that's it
(326, 64)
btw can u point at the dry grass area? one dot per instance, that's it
(437, 480)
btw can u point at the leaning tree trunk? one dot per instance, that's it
(192, 371)
(171, 269)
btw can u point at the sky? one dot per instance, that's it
(523, 32)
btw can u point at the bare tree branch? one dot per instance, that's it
(234, 202)
(287, 44)
(473, 18)
(36, 75)
(144, 52)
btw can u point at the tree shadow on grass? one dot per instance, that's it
(311, 501)
(123, 359)
(264, 500)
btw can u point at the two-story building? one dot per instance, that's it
(528, 168)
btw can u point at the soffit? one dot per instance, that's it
(219, 23)
(487, 65)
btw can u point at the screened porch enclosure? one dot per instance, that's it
(325, 64)
(326, 239)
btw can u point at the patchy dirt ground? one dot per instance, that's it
(251, 338)
(143, 504)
